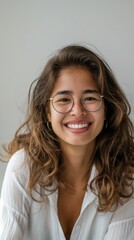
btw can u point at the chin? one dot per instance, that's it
(79, 143)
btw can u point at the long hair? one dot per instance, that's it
(114, 152)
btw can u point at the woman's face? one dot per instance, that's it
(78, 127)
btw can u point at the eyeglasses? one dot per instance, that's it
(63, 103)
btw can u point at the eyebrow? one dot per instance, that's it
(71, 92)
(90, 91)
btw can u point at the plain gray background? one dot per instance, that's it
(32, 30)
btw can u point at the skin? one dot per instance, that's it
(77, 144)
(76, 80)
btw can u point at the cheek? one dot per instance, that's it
(56, 123)
(55, 118)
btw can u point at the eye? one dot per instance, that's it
(90, 99)
(62, 99)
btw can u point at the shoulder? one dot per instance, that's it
(17, 167)
(122, 222)
(125, 211)
(18, 160)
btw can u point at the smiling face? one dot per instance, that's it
(77, 127)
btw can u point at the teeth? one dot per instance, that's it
(77, 126)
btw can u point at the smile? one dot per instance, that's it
(77, 126)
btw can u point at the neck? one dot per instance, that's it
(77, 162)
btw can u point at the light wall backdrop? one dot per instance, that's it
(32, 30)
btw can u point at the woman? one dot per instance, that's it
(71, 171)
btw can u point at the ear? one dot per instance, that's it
(49, 116)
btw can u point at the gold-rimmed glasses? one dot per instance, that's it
(64, 102)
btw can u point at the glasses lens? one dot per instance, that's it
(91, 101)
(63, 103)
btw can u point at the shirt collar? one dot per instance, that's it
(89, 195)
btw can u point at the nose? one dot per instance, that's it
(77, 109)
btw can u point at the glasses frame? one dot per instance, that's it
(81, 102)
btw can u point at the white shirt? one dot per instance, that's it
(23, 218)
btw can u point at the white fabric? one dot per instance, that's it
(21, 218)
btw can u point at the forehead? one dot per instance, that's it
(75, 79)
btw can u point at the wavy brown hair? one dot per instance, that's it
(114, 152)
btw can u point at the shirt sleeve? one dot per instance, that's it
(122, 224)
(15, 201)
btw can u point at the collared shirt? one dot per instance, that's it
(22, 218)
